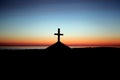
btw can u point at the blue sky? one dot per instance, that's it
(76, 18)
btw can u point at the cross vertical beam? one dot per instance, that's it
(58, 34)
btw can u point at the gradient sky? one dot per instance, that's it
(83, 22)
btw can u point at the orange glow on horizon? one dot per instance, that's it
(92, 41)
(67, 41)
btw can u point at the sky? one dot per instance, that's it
(83, 22)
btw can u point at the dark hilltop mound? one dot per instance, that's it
(58, 49)
(59, 46)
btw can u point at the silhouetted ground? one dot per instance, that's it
(58, 49)
(81, 52)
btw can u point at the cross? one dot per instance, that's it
(58, 34)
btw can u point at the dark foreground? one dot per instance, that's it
(84, 52)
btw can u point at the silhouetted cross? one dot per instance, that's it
(58, 34)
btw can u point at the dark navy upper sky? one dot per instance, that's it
(27, 3)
